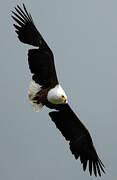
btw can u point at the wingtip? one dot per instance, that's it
(23, 5)
(17, 7)
(12, 16)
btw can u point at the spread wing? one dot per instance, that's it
(41, 61)
(80, 141)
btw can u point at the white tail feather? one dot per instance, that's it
(33, 89)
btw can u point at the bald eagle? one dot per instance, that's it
(45, 90)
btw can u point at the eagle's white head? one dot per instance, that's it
(57, 95)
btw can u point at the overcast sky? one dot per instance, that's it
(83, 37)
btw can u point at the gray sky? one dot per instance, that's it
(83, 37)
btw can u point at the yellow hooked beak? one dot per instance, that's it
(63, 98)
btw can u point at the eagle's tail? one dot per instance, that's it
(33, 89)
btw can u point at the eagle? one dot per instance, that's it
(45, 90)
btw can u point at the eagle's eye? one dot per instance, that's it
(63, 98)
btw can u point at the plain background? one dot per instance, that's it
(83, 37)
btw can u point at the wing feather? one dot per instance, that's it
(21, 13)
(81, 144)
(28, 33)
(41, 61)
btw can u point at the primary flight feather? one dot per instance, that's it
(46, 90)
